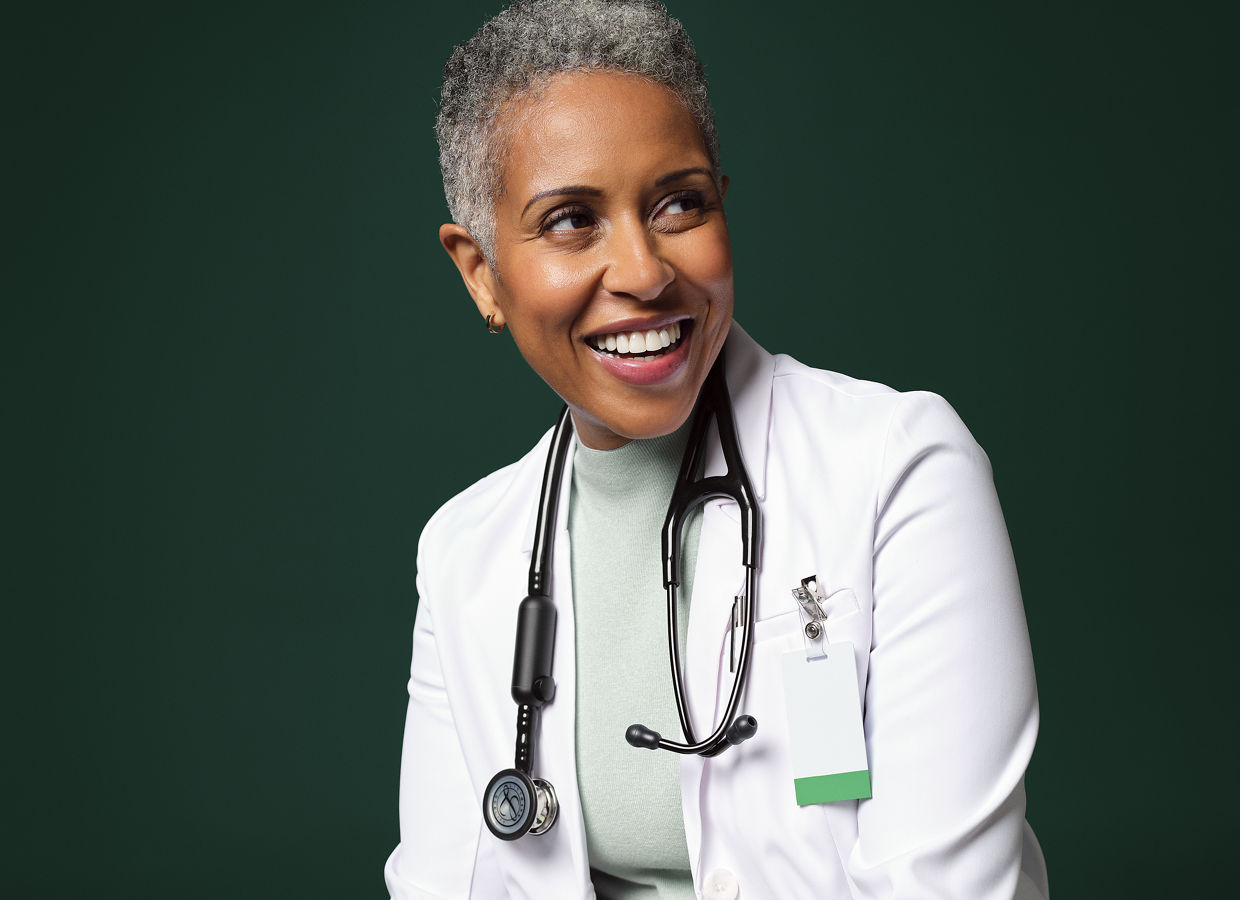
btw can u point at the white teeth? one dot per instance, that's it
(638, 341)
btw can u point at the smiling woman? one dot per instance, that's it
(581, 167)
(610, 225)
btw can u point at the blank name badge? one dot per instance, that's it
(824, 724)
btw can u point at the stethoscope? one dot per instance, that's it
(516, 803)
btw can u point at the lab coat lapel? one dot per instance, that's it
(750, 375)
(715, 582)
(538, 863)
(719, 572)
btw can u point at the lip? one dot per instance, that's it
(652, 369)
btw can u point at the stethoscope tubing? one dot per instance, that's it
(718, 740)
(548, 500)
(690, 493)
(515, 803)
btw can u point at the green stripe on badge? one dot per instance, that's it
(829, 788)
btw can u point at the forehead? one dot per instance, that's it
(587, 127)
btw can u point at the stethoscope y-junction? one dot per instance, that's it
(516, 803)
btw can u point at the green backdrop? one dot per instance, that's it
(240, 374)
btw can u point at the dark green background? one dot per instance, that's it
(240, 374)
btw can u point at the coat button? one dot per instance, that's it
(721, 885)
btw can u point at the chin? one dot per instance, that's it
(655, 422)
(633, 424)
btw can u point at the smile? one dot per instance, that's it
(645, 356)
(631, 344)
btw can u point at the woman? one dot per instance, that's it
(582, 173)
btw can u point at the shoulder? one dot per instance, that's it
(889, 430)
(796, 383)
(492, 511)
(868, 405)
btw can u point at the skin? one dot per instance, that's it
(609, 220)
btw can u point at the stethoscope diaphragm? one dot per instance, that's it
(516, 804)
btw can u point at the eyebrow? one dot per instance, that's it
(675, 176)
(578, 189)
(584, 190)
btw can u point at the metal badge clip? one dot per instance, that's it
(809, 597)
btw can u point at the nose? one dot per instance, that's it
(636, 267)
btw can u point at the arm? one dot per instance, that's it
(951, 711)
(440, 819)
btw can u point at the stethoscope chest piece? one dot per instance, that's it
(516, 804)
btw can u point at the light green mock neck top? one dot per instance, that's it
(630, 797)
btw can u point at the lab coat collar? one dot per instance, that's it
(537, 458)
(750, 372)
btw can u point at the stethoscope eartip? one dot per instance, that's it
(641, 736)
(741, 730)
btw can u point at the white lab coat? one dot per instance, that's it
(885, 497)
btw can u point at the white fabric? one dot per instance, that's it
(871, 490)
(721, 885)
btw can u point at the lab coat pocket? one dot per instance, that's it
(840, 604)
(844, 623)
(772, 637)
(774, 627)
(750, 797)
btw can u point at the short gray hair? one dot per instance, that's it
(522, 48)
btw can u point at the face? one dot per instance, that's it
(612, 264)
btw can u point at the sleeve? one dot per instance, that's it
(439, 855)
(951, 710)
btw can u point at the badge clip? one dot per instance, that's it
(810, 598)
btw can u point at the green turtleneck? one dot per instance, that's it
(630, 798)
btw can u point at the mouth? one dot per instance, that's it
(645, 356)
(648, 343)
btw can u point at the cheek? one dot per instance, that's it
(565, 278)
(547, 295)
(710, 265)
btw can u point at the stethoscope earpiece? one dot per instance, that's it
(643, 737)
(741, 730)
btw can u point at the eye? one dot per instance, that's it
(689, 201)
(569, 220)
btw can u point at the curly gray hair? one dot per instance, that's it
(521, 49)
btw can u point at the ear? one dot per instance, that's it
(723, 184)
(475, 271)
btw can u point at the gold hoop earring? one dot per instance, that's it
(491, 329)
